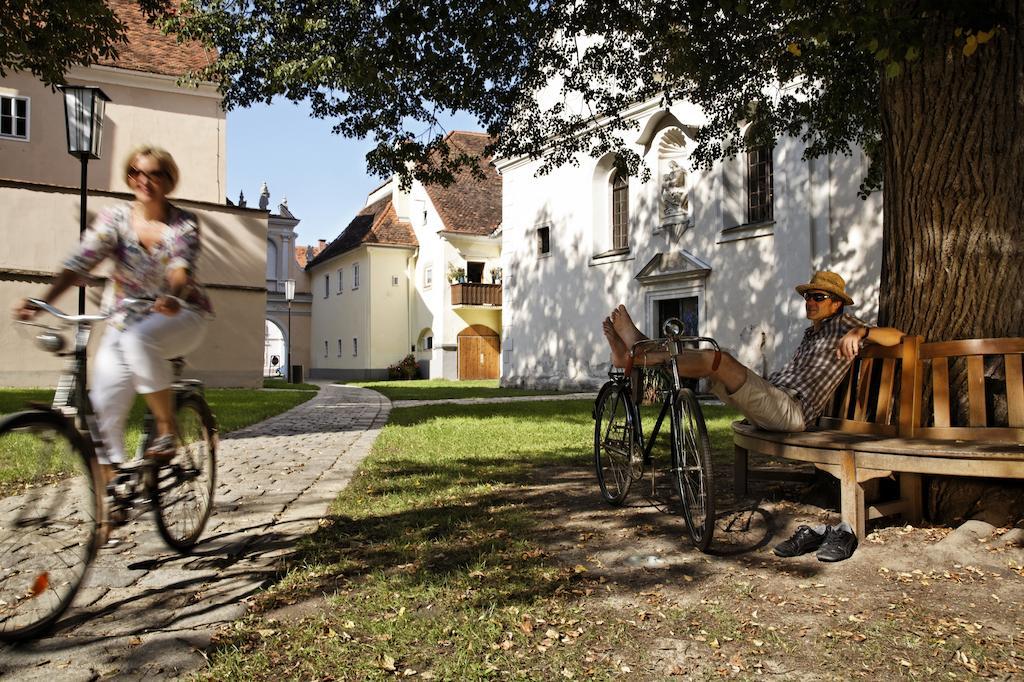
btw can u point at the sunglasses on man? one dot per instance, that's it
(816, 296)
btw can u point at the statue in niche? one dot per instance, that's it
(675, 200)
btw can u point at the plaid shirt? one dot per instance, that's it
(815, 370)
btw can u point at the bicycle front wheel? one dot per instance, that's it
(182, 492)
(49, 513)
(692, 468)
(615, 442)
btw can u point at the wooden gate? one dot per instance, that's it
(479, 352)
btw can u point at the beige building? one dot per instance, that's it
(39, 197)
(389, 285)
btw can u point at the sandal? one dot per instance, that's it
(163, 448)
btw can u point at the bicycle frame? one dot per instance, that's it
(676, 345)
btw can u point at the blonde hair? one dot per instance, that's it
(163, 159)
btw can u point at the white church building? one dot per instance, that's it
(720, 249)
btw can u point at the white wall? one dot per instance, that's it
(553, 305)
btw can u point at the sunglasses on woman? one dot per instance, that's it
(816, 296)
(152, 176)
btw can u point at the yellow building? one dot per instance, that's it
(389, 285)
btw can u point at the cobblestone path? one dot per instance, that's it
(147, 612)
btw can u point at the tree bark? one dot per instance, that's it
(953, 245)
(953, 250)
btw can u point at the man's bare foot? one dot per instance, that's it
(620, 353)
(624, 327)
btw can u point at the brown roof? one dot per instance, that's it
(377, 223)
(306, 253)
(469, 205)
(149, 50)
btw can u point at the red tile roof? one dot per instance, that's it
(469, 205)
(149, 50)
(306, 253)
(377, 223)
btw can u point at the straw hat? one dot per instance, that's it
(830, 283)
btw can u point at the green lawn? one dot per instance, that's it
(429, 561)
(234, 409)
(442, 389)
(283, 385)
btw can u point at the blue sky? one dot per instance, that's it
(323, 175)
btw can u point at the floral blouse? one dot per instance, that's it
(139, 273)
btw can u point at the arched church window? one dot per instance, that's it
(620, 210)
(760, 185)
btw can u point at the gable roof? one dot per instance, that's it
(377, 223)
(468, 205)
(149, 50)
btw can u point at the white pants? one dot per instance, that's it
(136, 360)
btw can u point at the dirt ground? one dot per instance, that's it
(924, 603)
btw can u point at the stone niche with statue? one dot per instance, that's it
(674, 178)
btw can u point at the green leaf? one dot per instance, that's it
(913, 52)
(893, 69)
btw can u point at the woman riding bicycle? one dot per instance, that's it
(154, 246)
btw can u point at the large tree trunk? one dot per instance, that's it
(953, 250)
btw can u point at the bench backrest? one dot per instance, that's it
(879, 393)
(940, 361)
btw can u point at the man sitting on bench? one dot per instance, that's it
(792, 397)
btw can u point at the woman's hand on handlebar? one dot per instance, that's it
(24, 311)
(167, 305)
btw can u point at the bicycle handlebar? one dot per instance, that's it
(662, 344)
(76, 319)
(61, 315)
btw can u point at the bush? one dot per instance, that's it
(405, 369)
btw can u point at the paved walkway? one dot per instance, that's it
(147, 612)
(509, 399)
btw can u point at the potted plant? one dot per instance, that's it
(496, 274)
(456, 274)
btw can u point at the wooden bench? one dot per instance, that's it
(878, 425)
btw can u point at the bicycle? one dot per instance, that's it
(52, 524)
(621, 452)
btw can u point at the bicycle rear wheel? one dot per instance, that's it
(615, 442)
(182, 492)
(49, 513)
(692, 467)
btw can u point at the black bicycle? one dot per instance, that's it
(54, 506)
(622, 453)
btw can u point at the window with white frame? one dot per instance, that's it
(14, 117)
(760, 185)
(340, 280)
(355, 347)
(543, 241)
(620, 210)
(428, 277)
(355, 276)
(339, 348)
(325, 348)
(327, 286)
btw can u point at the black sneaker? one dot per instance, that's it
(839, 543)
(804, 540)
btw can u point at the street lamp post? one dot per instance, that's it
(83, 114)
(289, 295)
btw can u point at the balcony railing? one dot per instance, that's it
(471, 293)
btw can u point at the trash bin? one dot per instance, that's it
(296, 377)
